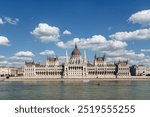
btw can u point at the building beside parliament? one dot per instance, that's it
(77, 67)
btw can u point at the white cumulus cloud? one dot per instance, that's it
(61, 59)
(19, 59)
(9, 20)
(141, 17)
(124, 53)
(46, 33)
(24, 54)
(145, 50)
(96, 42)
(141, 34)
(14, 60)
(130, 55)
(1, 21)
(47, 52)
(66, 32)
(2, 57)
(4, 41)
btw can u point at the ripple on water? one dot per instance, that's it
(110, 90)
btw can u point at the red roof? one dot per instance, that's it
(75, 51)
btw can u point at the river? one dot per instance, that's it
(59, 90)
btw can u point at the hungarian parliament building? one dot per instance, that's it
(77, 67)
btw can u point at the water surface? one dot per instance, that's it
(99, 90)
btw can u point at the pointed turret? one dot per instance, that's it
(127, 61)
(95, 56)
(66, 60)
(104, 57)
(75, 45)
(94, 62)
(84, 59)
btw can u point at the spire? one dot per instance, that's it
(104, 57)
(75, 45)
(95, 62)
(84, 56)
(127, 61)
(47, 62)
(66, 61)
(95, 56)
(56, 57)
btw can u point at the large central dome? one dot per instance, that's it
(75, 52)
(76, 56)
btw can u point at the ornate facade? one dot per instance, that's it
(140, 70)
(12, 71)
(77, 67)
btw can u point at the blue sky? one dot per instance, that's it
(34, 29)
